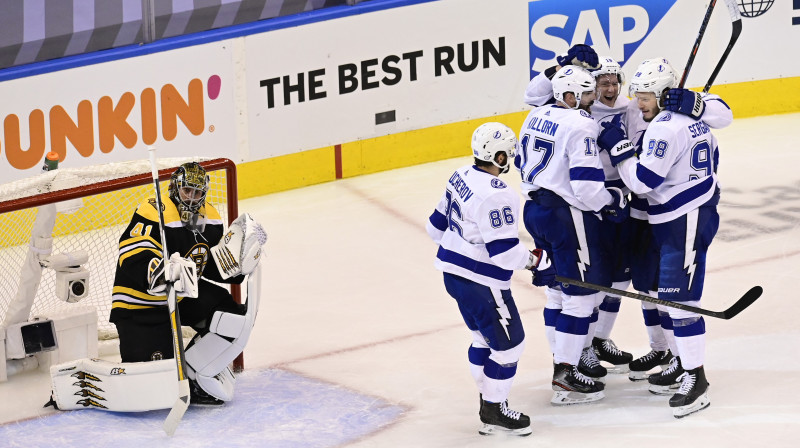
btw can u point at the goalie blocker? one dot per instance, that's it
(145, 386)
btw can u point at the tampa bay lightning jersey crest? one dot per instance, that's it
(497, 183)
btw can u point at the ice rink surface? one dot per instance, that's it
(357, 343)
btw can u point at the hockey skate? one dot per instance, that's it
(199, 397)
(497, 418)
(692, 395)
(667, 381)
(640, 366)
(608, 352)
(570, 386)
(590, 366)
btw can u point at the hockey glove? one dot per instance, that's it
(580, 55)
(612, 139)
(544, 274)
(239, 251)
(181, 272)
(685, 102)
(617, 211)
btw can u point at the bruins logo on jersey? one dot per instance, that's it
(152, 201)
(199, 254)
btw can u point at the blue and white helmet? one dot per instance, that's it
(492, 138)
(572, 78)
(608, 66)
(653, 75)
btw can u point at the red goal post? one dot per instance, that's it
(95, 204)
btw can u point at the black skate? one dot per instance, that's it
(498, 418)
(692, 395)
(570, 386)
(640, 366)
(667, 381)
(590, 366)
(199, 397)
(608, 352)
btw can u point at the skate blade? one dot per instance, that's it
(490, 430)
(701, 403)
(664, 390)
(618, 369)
(635, 375)
(567, 397)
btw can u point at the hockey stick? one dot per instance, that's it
(700, 35)
(746, 300)
(736, 18)
(182, 402)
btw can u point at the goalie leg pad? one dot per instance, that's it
(209, 355)
(97, 384)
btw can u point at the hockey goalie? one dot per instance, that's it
(203, 254)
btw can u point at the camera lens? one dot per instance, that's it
(77, 288)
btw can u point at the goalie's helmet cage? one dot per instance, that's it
(608, 66)
(653, 75)
(188, 186)
(492, 138)
(572, 78)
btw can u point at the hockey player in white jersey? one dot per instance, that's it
(676, 172)
(475, 224)
(641, 257)
(563, 177)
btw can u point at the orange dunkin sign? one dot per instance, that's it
(108, 119)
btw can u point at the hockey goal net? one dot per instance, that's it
(95, 206)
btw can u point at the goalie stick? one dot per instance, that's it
(746, 300)
(182, 402)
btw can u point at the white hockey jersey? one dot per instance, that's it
(475, 225)
(676, 170)
(558, 151)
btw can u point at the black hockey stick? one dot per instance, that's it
(700, 35)
(736, 19)
(182, 402)
(746, 300)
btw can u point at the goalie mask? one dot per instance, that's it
(187, 189)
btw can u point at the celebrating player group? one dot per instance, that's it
(619, 192)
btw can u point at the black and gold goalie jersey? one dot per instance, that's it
(141, 241)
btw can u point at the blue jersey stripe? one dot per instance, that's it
(499, 246)
(683, 198)
(695, 328)
(648, 177)
(573, 325)
(478, 267)
(438, 220)
(585, 173)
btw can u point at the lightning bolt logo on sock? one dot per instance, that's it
(691, 232)
(583, 251)
(502, 310)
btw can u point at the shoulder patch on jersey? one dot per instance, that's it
(584, 113)
(497, 183)
(667, 116)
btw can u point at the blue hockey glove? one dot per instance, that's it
(612, 139)
(617, 211)
(685, 102)
(580, 55)
(544, 274)
(612, 133)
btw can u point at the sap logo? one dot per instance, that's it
(614, 28)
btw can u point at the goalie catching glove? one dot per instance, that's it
(239, 251)
(181, 272)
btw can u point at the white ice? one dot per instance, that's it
(355, 320)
